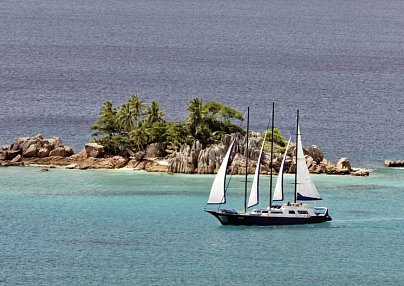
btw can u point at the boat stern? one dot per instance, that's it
(327, 216)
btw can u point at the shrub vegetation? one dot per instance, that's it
(136, 124)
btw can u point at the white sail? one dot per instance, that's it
(254, 194)
(218, 190)
(278, 193)
(306, 190)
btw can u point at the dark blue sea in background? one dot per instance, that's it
(340, 62)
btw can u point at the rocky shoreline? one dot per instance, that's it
(190, 159)
(394, 163)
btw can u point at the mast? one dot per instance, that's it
(297, 147)
(246, 161)
(272, 152)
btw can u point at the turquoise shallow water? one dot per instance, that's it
(70, 227)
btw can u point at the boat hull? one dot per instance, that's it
(250, 219)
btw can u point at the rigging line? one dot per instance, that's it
(246, 161)
(292, 128)
(296, 152)
(269, 122)
(236, 138)
(272, 154)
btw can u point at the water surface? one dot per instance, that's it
(340, 62)
(72, 227)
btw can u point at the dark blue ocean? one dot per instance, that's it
(340, 62)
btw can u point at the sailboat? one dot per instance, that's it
(290, 213)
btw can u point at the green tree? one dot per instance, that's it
(107, 130)
(153, 113)
(220, 119)
(222, 112)
(137, 106)
(209, 121)
(134, 125)
(196, 117)
(106, 125)
(126, 118)
(279, 141)
(176, 134)
(139, 135)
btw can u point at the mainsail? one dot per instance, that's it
(306, 190)
(254, 194)
(218, 190)
(278, 193)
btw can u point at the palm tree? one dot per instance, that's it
(139, 135)
(136, 105)
(196, 116)
(153, 113)
(107, 123)
(126, 118)
(107, 109)
(176, 134)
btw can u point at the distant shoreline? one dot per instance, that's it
(49, 153)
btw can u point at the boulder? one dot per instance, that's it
(98, 163)
(38, 136)
(43, 152)
(140, 155)
(94, 150)
(82, 155)
(119, 161)
(328, 167)
(209, 159)
(16, 145)
(140, 165)
(55, 142)
(310, 162)
(214, 156)
(178, 162)
(68, 151)
(343, 166)
(194, 153)
(31, 151)
(394, 163)
(226, 140)
(189, 159)
(58, 151)
(132, 163)
(238, 165)
(316, 169)
(155, 150)
(11, 154)
(37, 147)
(16, 159)
(314, 152)
(3, 155)
(361, 172)
(127, 153)
(155, 167)
(25, 145)
(103, 163)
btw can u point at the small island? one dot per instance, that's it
(137, 136)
